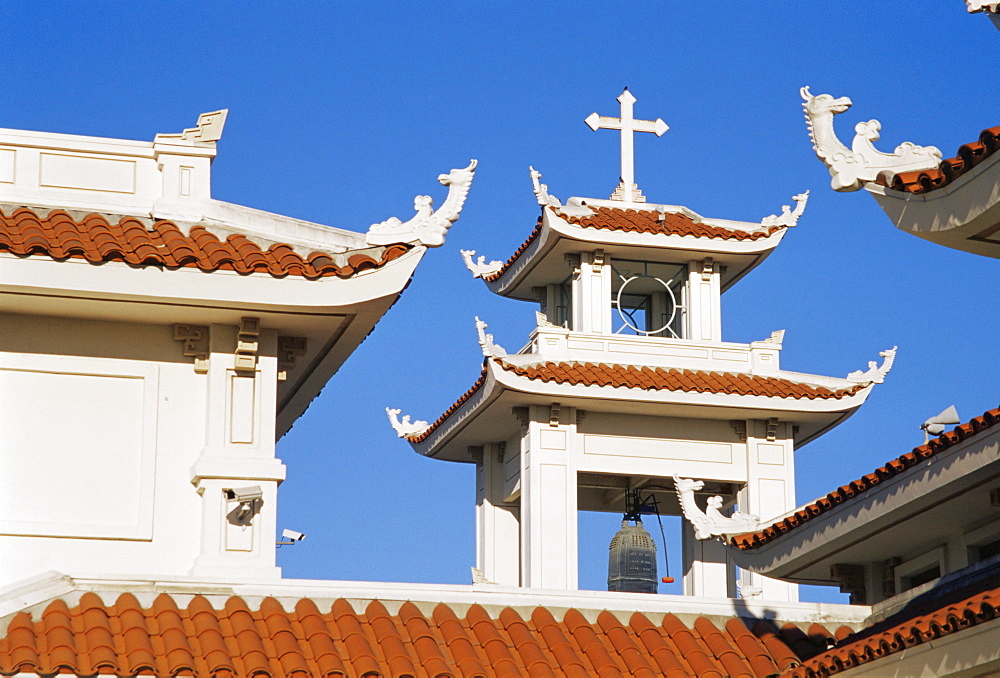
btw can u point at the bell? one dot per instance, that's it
(632, 560)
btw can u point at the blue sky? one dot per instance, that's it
(341, 112)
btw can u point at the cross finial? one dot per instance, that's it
(627, 189)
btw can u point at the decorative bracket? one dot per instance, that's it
(707, 268)
(852, 167)
(740, 426)
(289, 348)
(788, 218)
(490, 350)
(710, 522)
(479, 268)
(542, 191)
(572, 260)
(247, 345)
(554, 410)
(475, 453)
(195, 338)
(771, 430)
(875, 374)
(405, 428)
(427, 227)
(597, 261)
(522, 415)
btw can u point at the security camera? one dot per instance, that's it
(242, 494)
(292, 535)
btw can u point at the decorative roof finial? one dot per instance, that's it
(427, 227)
(405, 427)
(490, 350)
(852, 167)
(875, 374)
(542, 191)
(788, 218)
(627, 189)
(479, 268)
(710, 522)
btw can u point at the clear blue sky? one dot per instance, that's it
(341, 112)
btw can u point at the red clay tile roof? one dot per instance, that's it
(640, 221)
(925, 181)
(236, 642)
(95, 239)
(918, 623)
(660, 223)
(650, 379)
(663, 379)
(846, 492)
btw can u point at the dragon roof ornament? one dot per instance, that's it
(789, 218)
(427, 227)
(542, 190)
(875, 374)
(711, 522)
(405, 427)
(852, 167)
(490, 350)
(479, 268)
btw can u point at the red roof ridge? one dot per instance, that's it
(944, 615)
(752, 540)
(948, 170)
(136, 241)
(645, 377)
(631, 220)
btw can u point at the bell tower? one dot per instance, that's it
(627, 387)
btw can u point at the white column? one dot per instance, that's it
(707, 572)
(498, 532)
(548, 501)
(770, 492)
(238, 453)
(703, 319)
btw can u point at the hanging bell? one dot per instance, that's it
(632, 560)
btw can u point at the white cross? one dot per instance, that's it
(627, 190)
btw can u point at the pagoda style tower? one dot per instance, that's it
(627, 385)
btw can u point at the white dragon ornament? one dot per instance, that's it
(427, 227)
(852, 167)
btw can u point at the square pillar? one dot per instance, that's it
(707, 572)
(549, 499)
(498, 529)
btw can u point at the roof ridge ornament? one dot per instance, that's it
(711, 522)
(627, 190)
(208, 129)
(479, 268)
(490, 350)
(427, 227)
(852, 167)
(980, 5)
(405, 427)
(788, 218)
(875, 374)
(542, 190)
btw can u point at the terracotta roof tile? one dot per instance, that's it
(948, 170)
(649, 379)
(855, 488)
(95, 239)
(939, 614)
(639, 221)
(235, 640)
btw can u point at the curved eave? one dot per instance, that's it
(924, 506)
(963, 214)
(333, 314)
(542, 262)
(482, 416)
